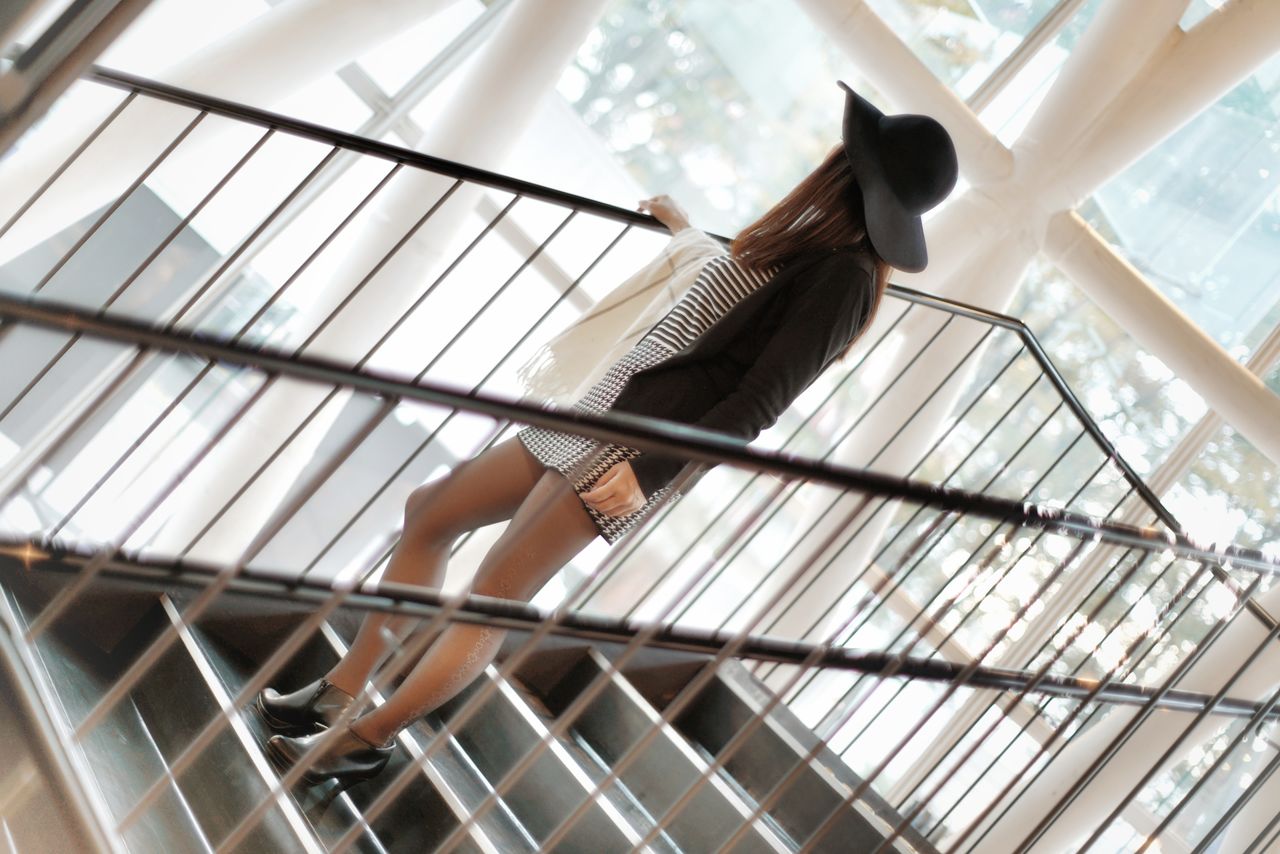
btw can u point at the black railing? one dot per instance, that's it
(805, 660)
(990, 558)
(582, 204)
(635, 431)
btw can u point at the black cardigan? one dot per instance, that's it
(827, 305)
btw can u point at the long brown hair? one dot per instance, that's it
(823, 212)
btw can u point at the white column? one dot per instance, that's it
(1121, 39)
(1161, 327)
(269, 58)
(890, 66)
(964, 227)
(496, 98)
(991, 276)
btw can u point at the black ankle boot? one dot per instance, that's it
(314, 707)
(347, 759)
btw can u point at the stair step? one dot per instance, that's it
(460, 784)
(597, 770)
(332, 817)
(120, 753)
(437, 797)
(195, 680)
(122, 750)
(725, 705)
(454, 773)
(329, 817)
(501, 733)
(179, 695)
(615, 720)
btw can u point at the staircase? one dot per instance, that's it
(201, 807)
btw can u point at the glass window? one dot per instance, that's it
(1229, 493)
(724, 106)
(962, 42)
(1200, 217)
(1012, 107)
(1140, 405)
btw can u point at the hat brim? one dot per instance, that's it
(895, 233)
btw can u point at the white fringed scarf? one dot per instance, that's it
(563, 369)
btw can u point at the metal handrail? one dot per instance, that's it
(412, 600)
(644, 433)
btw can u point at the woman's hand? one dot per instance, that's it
(667, 212)
(616, 493)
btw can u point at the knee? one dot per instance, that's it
(425, 513)
(418, 501)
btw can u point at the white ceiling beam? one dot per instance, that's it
(1194, 70)
(270, 57)
(1228, 387)
(890, 66)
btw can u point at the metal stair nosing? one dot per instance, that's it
(302, 833)
(499, 735)
(459, 782)
(616, 719)
(597, 768)
(330, 817)
(69, 687)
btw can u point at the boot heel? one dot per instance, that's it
(347, 759)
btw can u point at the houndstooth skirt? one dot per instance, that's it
(722, 283)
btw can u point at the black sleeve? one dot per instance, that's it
(829, 308)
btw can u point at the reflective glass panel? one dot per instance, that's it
(962, 41)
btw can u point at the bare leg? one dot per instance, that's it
(478, 492)
(550, 527)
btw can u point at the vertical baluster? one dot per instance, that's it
(1201, 576)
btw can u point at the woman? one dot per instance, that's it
(751, 333)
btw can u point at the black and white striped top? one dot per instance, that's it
(721, 285)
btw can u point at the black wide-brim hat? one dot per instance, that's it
(904, 164)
